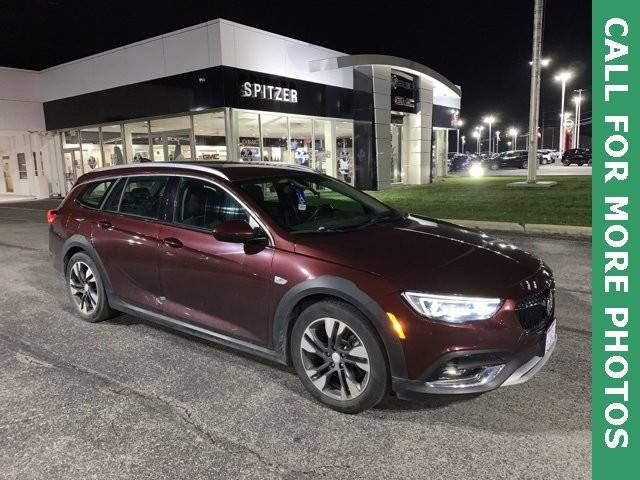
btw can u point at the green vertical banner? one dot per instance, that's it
(616, 229)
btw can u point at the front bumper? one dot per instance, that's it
(498, 368)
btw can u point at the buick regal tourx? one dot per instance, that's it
(305, 270)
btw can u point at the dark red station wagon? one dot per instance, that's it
(303, 269)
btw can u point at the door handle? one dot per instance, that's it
(104, 224)
(172, 242)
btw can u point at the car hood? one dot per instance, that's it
(418, 253)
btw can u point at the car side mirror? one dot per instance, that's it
(238, 231)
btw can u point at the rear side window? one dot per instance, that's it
(94, 193)
(142, 196)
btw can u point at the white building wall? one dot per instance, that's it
(206, 45)
(417, 161)
(22, 130)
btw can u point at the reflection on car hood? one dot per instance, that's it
(428, 255)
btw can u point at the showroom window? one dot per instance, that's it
(136, 137)
(344, 151)
(112, 145)
(301, 135)
(210, 140)
(248, 128)
(91, 152)
(171, 139)
(274, 138)
(324, 151)
(326, 145)
(71, 139)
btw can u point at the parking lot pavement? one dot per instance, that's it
(127, 399)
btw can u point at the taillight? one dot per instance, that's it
(51, 216)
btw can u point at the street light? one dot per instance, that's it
(459, 123)
(497, 141)
(489, 119)
(514, 133)
(578, 102)
(476, 135)
(464, 140)
(544, 62)
(562, 77)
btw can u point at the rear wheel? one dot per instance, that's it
(525, 164)
(493, 166)
(86, 289)
(338, 357)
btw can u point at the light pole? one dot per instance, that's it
(489, 119)
(562, 77)
(476, 135)
(514, 133)
(497, 141)
(578, 101)
(464, 140)
(459, 123)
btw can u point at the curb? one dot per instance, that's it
(568, 230)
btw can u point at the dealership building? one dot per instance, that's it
(224, 91)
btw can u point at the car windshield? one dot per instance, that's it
(308, 202)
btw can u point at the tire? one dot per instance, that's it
(580, 164)
(345, 386)
(566, 163)
(494, 166)
(525, 164)
(86, 289)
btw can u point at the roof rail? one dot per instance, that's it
(187, 166)
(270, 164)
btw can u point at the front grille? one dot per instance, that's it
(535, 312)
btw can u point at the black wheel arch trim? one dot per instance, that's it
(346, 290)
(81, 242)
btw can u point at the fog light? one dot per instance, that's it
(452, 371)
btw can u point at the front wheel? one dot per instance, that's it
(86, 289)
(525, 164)
(338, 357)
(493, 166)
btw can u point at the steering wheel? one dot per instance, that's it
(324, 208)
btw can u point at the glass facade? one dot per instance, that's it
(210, 139)
(326, 145)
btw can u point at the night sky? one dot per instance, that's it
(484, 46)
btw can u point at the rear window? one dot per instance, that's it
(94, 193)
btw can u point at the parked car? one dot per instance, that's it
(579, 156)
(508, 159)
(460, 163)
(547, 156)
(304, 270)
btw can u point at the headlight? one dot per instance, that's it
(453, 308)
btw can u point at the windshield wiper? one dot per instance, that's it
(392, 216)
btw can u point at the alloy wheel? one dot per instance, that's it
(84, 288)
(335, 359)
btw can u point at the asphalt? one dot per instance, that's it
(128, 399)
